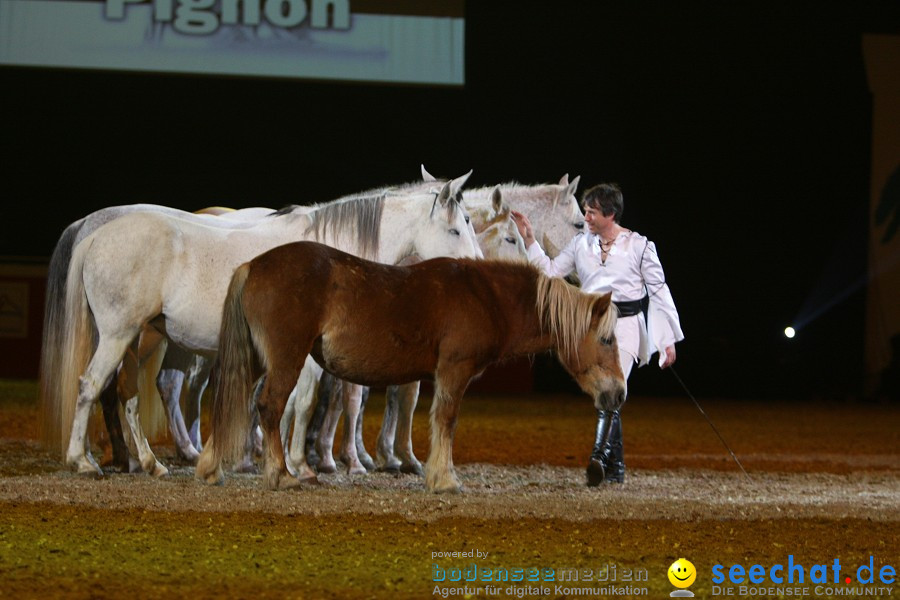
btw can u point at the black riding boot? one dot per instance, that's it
(607, 459)
(615, 453)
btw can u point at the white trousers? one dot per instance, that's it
(628, 337)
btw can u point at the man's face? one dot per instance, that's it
(595, 219)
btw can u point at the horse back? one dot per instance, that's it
(371, 323)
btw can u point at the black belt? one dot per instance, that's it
(629, 308)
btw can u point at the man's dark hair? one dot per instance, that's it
(607, 197)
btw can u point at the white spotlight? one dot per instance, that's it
(789, 332)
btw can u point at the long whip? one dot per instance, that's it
(705, 416)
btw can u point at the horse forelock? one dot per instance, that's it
(565, 312)
(606, 328)
(454, 204)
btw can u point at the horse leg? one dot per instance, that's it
(403, 448)
(254, 438)
(128, 393)
(134, 466)
(384, 445)
(272, 400)
(110, 403)
(450, 384)
(364, 457)
(170, 383)
(288, 419)
(301, 406)
(325, 440)
(197, 379)
(246, 463)
(99, 372)
(352, 399)
(323, 399)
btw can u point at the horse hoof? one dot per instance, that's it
(326, 468)
(189, 457)
(216, 480)
(289, 482)
(86, 468)
(595, 473)
(412, 469)
(215, 477)
(309, 481)
(90, 473)
(120, 466)
(446, 484)
(449, 489)
(247, 467)
(367, 462)
(392, 469)
(158, 470)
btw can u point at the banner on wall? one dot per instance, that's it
(397, 41)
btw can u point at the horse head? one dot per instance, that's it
(497, 234)
(559, 219)
(583, 326)
(596, 368)
(448, 230)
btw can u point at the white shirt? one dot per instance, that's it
(631, 271)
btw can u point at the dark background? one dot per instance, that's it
(740, 133)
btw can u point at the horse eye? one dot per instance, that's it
(606, 341)
(511, 240)
(467, 219)
(454, 231)
(579, 225)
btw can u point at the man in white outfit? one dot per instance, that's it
(610, 258)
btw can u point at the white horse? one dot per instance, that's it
(176, 364)
(498, 238)
(183, 269)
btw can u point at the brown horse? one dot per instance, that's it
(444, 319)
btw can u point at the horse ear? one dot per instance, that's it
(568, 188)
(457, 184)
(601, 305)
(496, 200)
(445, 194)
(426, 176)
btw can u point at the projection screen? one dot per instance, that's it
(400, 41)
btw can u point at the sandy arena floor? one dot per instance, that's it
(824, 484)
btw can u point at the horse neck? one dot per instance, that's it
(401, 218)
(349, 224)
(390, 239)
(515, 289)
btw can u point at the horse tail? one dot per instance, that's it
(51, 351)
(151, 407)
(77, 339)
(230, 418)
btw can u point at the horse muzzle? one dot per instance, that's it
(610, 397)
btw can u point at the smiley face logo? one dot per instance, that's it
(682, 573)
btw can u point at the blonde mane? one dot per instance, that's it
(566, 312)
